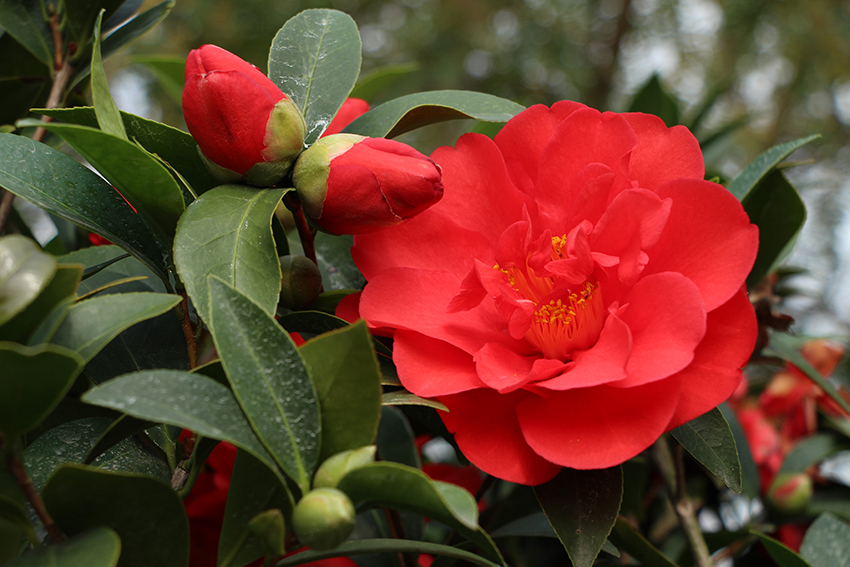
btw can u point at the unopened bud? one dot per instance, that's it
(334, 468)
(324, 518)
(300, 281)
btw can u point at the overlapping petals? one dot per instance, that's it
(577, 292)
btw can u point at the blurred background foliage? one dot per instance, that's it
(759, 71)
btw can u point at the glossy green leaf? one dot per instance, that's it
(17, 96)
(23, 20)
(405, 488)
(311, 322)
(133, 171)
(827, 542)
(80, 498)
(537, 525)
(409, 112)
(785, 347)
(253, 489)
(34, 381)
(24, 272)
(105, 264)
(227, 232)
(372, 84)
(628, 539)
(92, 323)
(315, 59)
(108, 116)
(99, 547)
(776, 207)
(168, 71)
(652, 98)
(190, 401)
(394, 546)
(748, 179)
(31, 170)
(173, 146)
(709, 439)
(269, 379)
(348, 385)
(812, 450)
(338, 269)
(750, 482)
(396, 441)
(82, 14)
(779, 552)
(62, 287)
(582, 506)
(120, 429)
(405, 398)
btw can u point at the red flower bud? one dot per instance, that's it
(349, 184)
(244, 125)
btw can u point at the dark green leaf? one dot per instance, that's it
(62, 287)
(108, 116)
(81, 16)
(133, 171)
(105, 264)
(80, 498)
(348, 385)
(13, 511)
(537, 525)
(785, 347)
(23, 20)
(120, 429)
(253, 489)
(34, 381)
(312, 322)
(582, 506)
(709, 439)
(405, 398)
(372, 84)
(92, 323)
(779, 212)
(227, 232)
(269, 380)
(338, 269)
(409, 112)
(652, 98)
(394, 546)
(396, 441)
(750, 478)
(748, 179)
(315, 59)
(628, 539)
(812, 450)
(17, 96)
(191, 401)
(99, 547)
(168, 71)
(827, 542)
(56, 182)
(24, 272)
(779, 552)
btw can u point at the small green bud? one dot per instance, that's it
(790, 493)
(334, 468)
(300, 281)
(270, 527)
(324, 518)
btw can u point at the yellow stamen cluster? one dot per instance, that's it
(564, 325)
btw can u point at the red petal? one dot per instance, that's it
(708, 238)
(486, 429)
(351, 109)
(429, 367)
(597, 428)
(208, 58)
(662, 153)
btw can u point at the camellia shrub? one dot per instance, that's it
(297, 340)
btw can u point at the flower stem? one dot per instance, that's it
(293, 203)
(189, 333)
(16, 467)
(673, 471)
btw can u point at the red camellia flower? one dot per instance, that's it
(351, 184)
(578, 292)
(351, 110)
(240, 119)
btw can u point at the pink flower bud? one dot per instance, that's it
(244, 125)
(350, 184)
(790, 492)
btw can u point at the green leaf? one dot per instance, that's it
(652, 98)
(348, 386)
(312, 322)
(34, 381)
(92, 323)
(338, 269)
(405, 398)
(17, 96)
(709, 439)
(827, 542)
(168, 71)
(108, 116)
(750, 482)
(372, 84)
(120, 429)
(99, 547)
(785, 347)
(62, 287)
(779, 552)
(190, 401)
(146, 184)
(537, 525)
(628, 539)
(105, 264)
(82, 14)
(25, 21)
(315, 59)
(409, 112)
(748, 179)
(24, 272)
(405, 488)
(269, 380)
(227, 232)
(812, 450)
(56, 182)
(396, 441)
(80, 498)
(394, 546)
(582, 506)
(173, 146)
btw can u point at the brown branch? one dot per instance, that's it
(293, 203)
(189, 333)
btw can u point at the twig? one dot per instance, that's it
(397, 531)
(16, 467)
(293, 203)
(673, 471)
(189, 333)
